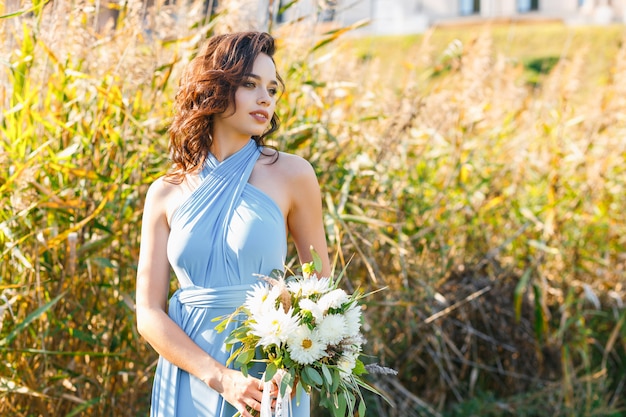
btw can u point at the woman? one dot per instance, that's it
(219, 218)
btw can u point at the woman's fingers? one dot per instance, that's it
(247, 408)
(251, 394)
(243, 412)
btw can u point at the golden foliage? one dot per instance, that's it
(489, 202)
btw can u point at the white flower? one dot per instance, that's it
(304, 346)
(274, 326)
(256, 299)
(332, 329)
(310, 286)
(352, 345)
(353, 320)
(346, 363)
(310, 305)
(334, 299)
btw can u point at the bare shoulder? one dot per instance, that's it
(161, 189)
(293, 166)
(163, 197)
(285, 177)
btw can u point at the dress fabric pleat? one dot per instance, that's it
(222, 237)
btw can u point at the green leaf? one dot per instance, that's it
(286, 381)
(244, 358)
(520, 288)
(234, 355)
(371, 389)
(324, 402)
(284, 7)
(327, 375)
(29, 319)
(317, 260)
(362, 408)
(359, 368)
(306, 381)
(332, 405)
(313, 375)
(231, 339)
(342, 404)
(335, 384)
(299, 390)
(539, 314)
(350, 401)
(17, 13)
(334, 34)
(80, 409)
(270, 371)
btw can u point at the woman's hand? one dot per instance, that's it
(242, 392)
(277, 380)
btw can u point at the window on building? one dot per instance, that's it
(525, 6)
(469, 7)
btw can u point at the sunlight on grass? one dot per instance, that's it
(479, 175)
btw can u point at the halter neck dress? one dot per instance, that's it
(221, 237)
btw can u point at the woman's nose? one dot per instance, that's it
(264, 98)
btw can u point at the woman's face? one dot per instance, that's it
(255, 102)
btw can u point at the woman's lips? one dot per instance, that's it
(260, 115)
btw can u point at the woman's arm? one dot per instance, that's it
(305, 220)
(163, 334)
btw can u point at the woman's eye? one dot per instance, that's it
(248, 84)
(273, 91)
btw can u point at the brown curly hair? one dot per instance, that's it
(207, 87)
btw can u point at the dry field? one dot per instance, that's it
(478, 176)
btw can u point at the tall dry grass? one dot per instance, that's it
(488, 206)
(84, 117)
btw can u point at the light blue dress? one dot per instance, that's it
(221, 237)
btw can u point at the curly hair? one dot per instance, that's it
(207, 87)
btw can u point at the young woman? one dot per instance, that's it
(219, 218)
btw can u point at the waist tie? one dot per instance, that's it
(232, 296)
(229, 297)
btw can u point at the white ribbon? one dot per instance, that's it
(283, 404)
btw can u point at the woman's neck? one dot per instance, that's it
(222, 149)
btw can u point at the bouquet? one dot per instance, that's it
(309, 332)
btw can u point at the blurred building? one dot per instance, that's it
(406, 16)
(385, 16)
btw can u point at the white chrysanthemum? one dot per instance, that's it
(256, 299)
(332, 329)
(274, 327)
(334, 299)
(353, 320)
(274, 295)
(346, 363)
(310, 286)
(353, 343)
(307, 304)
(304, 346)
